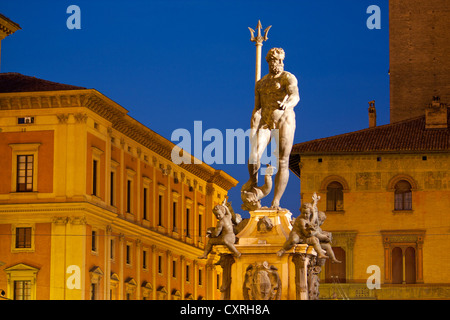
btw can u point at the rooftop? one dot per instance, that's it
(16, 82)
(400, 137)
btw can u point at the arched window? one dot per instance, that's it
(410, 265)
(335, 197)
(336, 271)
(397, 265)
(403, 251)
(404, 260)
(403, 196)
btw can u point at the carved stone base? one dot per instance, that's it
(259, 273)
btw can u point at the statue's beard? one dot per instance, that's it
(276, 69)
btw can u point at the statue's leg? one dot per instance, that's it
(233, 249)
(211, 242)
(290, 242)
(321, 254)
(258, 141)
(285, 141)
(330, 253)
(208, 249)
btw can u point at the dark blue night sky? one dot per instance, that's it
(170, 63)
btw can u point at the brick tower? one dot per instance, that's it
(419, 55)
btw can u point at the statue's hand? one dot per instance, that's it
(282, 104)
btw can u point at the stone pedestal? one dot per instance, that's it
(259, 273)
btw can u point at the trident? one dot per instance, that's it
(259, 39)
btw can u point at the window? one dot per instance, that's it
(410, 265)
(114, 285)
(130, 190)
(112, 249)
(147, 289)
(201, 210)
(404, 260)
(25, 173)
(336, 272)
(146, 182)
(24, 166)
(94, 241)
(335, 197)
(22, 290)
(174, 268)
(200, 280)
(188, 212)
(200, 227)
(112, 189)
(95, 177)
(21, 284)
(97, 155)
(160, 209)
(113, 183)
(23, 238)
(129, 196)
(397, 265)
(403, 256)
(160, 265)
(128, 254)
(187, 273)
(402, 196)
(145, 204)
(217, 281)
(93, 291)
(174, 216)
(175, 223)
(161, 206)
(130, 289)
(25, 120)
(144, 259)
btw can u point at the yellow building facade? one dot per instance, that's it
(91, 205)
(386, 198)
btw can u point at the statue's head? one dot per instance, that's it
(275, 58)
(219, 211)
(306, 210)
(250, 201)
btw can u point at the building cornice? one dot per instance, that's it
(119, 119)
(7, 27)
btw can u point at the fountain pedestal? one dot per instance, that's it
(259, 273)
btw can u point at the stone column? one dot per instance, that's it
(314, 269)
(301, 261)
(225, 261)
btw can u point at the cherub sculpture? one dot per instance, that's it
(223, 233)
(325, 238)
(306, 229)
(303, 231)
